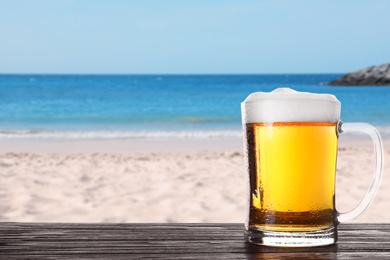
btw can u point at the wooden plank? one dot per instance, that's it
(168, 241)
(271, 256)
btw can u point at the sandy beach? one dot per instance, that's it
(155, 180)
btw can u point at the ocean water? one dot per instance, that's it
(137, 106)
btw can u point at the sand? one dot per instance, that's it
(155, 180)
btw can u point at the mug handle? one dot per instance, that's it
(378, 167)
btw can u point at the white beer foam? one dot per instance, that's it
(287, 105)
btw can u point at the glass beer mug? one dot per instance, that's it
(290, 142)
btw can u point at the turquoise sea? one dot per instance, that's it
(134, 106)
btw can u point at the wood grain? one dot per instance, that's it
(176, 241)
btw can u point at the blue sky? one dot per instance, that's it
(193, 36)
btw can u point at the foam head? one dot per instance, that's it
(287, 105)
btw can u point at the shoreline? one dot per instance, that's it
(145, 145)
(140, 145)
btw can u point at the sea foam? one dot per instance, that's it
(66, 135)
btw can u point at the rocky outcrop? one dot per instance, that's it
(372, 76)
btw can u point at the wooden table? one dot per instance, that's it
(176, 241)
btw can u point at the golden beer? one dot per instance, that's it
(291, 169)
(290, 143)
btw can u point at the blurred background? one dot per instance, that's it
(129, 111)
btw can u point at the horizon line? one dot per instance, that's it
(171, 74)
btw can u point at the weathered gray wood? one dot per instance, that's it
(181, 241)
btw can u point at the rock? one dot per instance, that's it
(371, 76)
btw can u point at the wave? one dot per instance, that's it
(385, 130)
(75, 135)
(66, 135)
